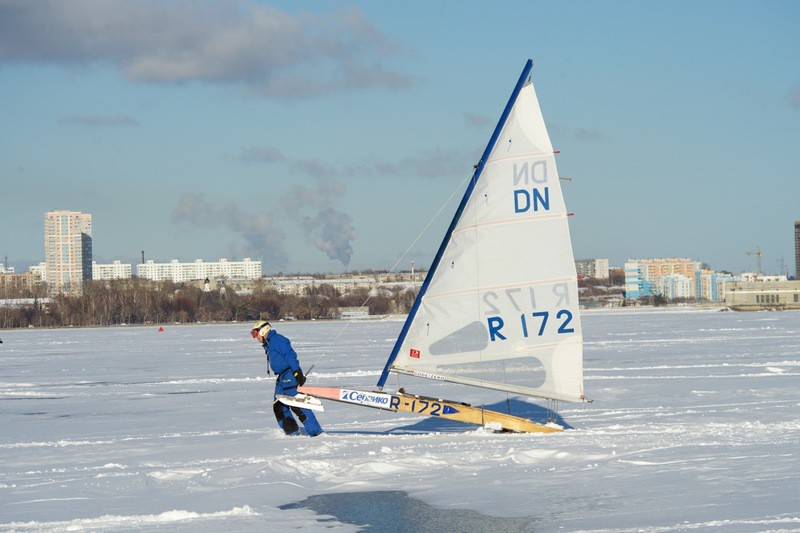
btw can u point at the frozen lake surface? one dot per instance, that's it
(695, 425)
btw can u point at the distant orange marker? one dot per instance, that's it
(160, 328)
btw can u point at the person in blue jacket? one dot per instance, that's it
(282, 359)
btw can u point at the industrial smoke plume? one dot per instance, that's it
(263, 238)
(326, 228)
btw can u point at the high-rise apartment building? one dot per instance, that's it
(592, 268)
(67, 250)
(643, 277)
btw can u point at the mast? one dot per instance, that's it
(467, 194)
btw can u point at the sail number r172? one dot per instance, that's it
(562, 324)
(422, 406)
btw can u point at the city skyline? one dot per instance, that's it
(87, 226)
(324, 138)
(582, 265)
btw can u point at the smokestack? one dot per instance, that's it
(142, 256)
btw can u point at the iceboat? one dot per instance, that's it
(499, 306)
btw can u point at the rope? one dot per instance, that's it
(394, 267)
(552, 410)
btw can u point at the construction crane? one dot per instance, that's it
(757, 253)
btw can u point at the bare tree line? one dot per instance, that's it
(137, 301)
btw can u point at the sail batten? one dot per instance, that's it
(499, 305)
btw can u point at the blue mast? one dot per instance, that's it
(478, 170)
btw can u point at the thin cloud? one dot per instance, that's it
(270, 52)
(588, 134)
(432, 164)
(477, 121)
(437, 163)
(582, 134)
(266, 155)
(794, 97)
(315, 167)
(99, 121)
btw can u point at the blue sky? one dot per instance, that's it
(324, 136)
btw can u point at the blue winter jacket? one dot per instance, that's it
(280, 353)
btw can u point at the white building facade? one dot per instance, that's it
(301, 285)
(592, 268)
(40, 270)
(757, 295)
(115, 270)
(673, 286)
(199, 269)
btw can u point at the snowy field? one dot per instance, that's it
(694, 425)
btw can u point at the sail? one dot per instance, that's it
(499, 308)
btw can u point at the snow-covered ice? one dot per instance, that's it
(695, 425)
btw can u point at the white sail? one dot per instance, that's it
(499, 308)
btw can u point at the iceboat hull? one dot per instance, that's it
(428, 406)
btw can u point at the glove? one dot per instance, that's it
(299, 377)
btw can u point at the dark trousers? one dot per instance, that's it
(287, 385)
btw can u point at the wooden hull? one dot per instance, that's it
(425, 406)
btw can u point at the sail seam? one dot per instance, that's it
(500, 386)
(431, 295)
(519, 156)
(501, 356)
(506, 221)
